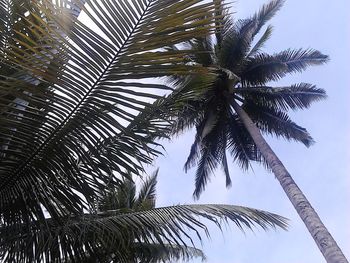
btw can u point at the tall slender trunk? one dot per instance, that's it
(324, 240)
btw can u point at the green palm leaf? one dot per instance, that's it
(146, 198)
(297, 96)
(263, 67)
(278, 123)
(84, 95)
(260, 43)
(81, 237)
(166, 253)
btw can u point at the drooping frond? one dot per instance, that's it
(207, 163)
(264, 68)
(154, 253)
(194, 155)
(277, 122)
(226, 169)
(298, 96)
(185, 104)
(240, 144)
(109, 234)
(211, 153)
(87, 89)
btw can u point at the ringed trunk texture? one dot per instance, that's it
(324, 240)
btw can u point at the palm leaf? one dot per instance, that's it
(223, 22)
(260, 43)
(194, 155)
(236, 42)
(166, 253)
(89, 99)
(263, 67)
(278, 123)
(226, 170)
(241, 146)
(146, 198)
(211, 153)
(81, 237)
(267, 12)
(298, 96)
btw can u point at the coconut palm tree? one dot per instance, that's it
(232, 106)
(66, 87)
(127, 227)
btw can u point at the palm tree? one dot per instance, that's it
(79, 86)
(232, 106)
(126, 227)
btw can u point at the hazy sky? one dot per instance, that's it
(321, 171)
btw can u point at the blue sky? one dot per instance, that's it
(321, 171)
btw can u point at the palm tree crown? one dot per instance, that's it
(230, 108)
(242, 72)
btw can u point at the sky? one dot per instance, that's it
(321, 171)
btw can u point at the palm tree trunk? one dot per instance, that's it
(324, 240)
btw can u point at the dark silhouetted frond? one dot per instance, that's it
(81, 82)
(211, 153)
(237, 41)
(264, 68)
(146, 198)
(298, 96)
(276, 122)
(261, 42)
(240, 144)
(267, 12)
(226, 169)
(166, 253)
(108, 235)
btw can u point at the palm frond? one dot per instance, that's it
(194, 154)
(189, 96)
(226, 170)
(146, 198)
(297, 96)
(80, 237)
(278, 123)
(238, 39)
(118, 197)
(267, 12)
(235, 44)
(88, 96)
(240, 144)
(166, 253)
(223, 22)
(263, 67)
(211, 154)
(260, 43)
(206, 165)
